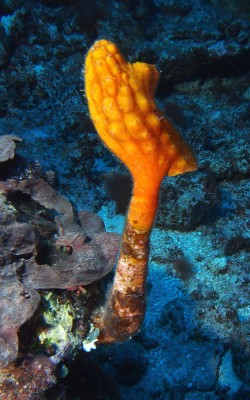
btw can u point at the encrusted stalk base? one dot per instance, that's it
(125, 307)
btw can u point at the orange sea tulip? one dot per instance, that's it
(121, 102)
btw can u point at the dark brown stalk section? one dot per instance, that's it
(125, 308)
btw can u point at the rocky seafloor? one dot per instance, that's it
(63, 199)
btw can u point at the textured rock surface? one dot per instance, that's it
(82, 259)
(17, 302)
(8, 146)
(77, 258)
(29, 380)
(186, 202)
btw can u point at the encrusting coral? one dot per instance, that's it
(120, 98)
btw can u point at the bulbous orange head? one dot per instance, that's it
(121, 102)
(120, 97)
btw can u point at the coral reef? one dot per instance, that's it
(82, 252)
(194, 342)
(29, 380)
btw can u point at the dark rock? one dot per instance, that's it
(76, 258)
(236, 244)
(186, 201)
(16, 240)
(175, 316)
(241, 352)
(174, 6)
(41, 192)
(18, 303)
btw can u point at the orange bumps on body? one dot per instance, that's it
(121, 102)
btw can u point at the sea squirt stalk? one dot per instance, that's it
(121, 102)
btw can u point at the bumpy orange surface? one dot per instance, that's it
(121, 103)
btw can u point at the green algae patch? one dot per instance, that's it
(57, 331)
